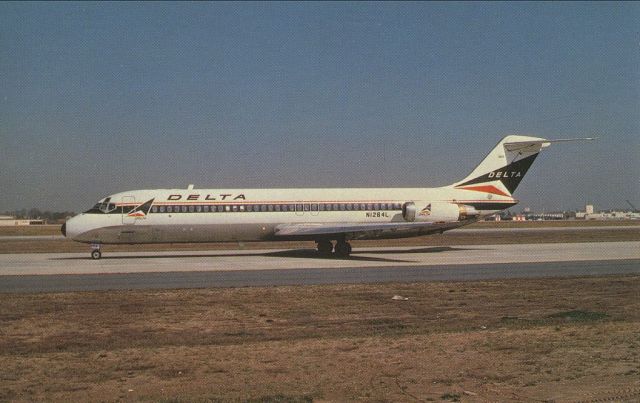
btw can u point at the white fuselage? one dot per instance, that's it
(211, 215)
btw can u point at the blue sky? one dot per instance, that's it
(99, 98)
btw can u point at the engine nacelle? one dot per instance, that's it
(438, 212)
(409, 211)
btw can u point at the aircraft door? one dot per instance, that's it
(129, 204)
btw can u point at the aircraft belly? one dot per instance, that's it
(227, 228)
(138, 234)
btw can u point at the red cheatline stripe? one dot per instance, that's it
(136, 214)
(486, 189)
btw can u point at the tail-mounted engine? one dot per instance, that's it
(438, 212)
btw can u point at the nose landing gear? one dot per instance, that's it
(95, 251)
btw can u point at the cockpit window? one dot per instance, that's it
(102, 207)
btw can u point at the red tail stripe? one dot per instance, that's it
(486, 189)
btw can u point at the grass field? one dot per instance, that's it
(535, 340)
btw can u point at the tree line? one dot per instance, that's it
(37, 214)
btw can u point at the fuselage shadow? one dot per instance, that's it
(293, 253)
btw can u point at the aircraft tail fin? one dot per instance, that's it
(502, 170)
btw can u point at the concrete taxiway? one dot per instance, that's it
(123, 270)
(355, 275)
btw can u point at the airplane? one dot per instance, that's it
(321, 215)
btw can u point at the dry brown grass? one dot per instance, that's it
(561, 339)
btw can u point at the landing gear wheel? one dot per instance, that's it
(325, 247)
(343, 249)
(96, 254)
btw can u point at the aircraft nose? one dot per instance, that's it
(72, 227)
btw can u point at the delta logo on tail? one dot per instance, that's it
(502, 181)
(141, 211)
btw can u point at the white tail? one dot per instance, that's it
(502, 170)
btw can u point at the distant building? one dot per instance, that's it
(589, 213)
(8, 221)
(495, 217)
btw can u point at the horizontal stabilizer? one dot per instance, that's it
(542, 143)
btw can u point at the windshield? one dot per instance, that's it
(103, 206)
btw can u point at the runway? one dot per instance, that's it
(251, 278)
(120, 270)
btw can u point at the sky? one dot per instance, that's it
(99, 98)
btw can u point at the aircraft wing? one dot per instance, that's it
(359, 230)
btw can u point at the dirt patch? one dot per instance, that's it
(548, 339)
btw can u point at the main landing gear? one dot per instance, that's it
(342, 248)
(95, 251)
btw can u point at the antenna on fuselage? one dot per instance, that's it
(190, 187)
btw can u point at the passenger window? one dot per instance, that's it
(306, 207)
(162, 209)
(298, 207)
(314, 207)
(263, 207)
(234, 208)
(322, 207)
(191, 209)
(363, 206)
(169, 209)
